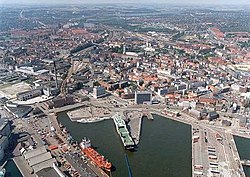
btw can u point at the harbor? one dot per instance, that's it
(161, 140)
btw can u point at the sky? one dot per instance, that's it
(125, 1)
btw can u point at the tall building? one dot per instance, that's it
(143, 97)
(99, 92)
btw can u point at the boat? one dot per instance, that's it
(123, 132)
(2, 172)
(94, 156)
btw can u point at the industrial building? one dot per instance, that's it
(19, 111)
(50, 172)
(23, 96)
(39, 159)
(60, 101)
(143, 97)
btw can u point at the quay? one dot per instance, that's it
(134, 124)
(236, 155)
(79, 165)
(86, 170)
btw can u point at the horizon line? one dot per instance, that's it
(123, 3)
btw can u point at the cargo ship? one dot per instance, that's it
(123, 132)
(94, 156)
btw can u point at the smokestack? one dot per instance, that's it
(54, 63)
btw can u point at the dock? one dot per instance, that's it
(134, 124)
(148, 115)
(83, 168)
(245, 162)
(236, 155)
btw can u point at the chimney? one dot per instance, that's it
(55, 72)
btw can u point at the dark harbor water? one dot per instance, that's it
(243, 146)
(164, 149)
(12, 170)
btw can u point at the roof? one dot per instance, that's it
(3, 123)
(35, 152)
(47, 172)
(40, 158)
(44, 164)
(20, 110)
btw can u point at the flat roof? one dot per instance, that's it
(35, 152)
(47, 172)
(42, 165)
(40, 158)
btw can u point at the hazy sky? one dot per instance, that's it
(126, 1)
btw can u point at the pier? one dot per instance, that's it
(134, 124)
(245, 162)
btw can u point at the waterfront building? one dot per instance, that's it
(39, 159)
(53, 171)
(60, 101)
(143, 97)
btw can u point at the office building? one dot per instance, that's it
(143, 97)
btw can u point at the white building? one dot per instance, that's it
(99, 92)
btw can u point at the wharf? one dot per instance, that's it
(96, 169)
(236, 155)
(79, 165)
(134, 124)
(149, 116)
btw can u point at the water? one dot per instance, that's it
(12, 170)
(164, 149)
(243, 146)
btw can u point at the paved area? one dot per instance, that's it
(213, 156)
(134, 124)
(79, 164)
(89, 114)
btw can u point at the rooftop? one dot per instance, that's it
(47, 172)
(35, 152)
